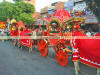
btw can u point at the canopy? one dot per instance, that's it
(20, 25)
(62, 15)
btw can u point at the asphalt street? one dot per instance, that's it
(16, 61)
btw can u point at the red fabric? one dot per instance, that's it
(2, 23)
(27, 41)
(77, 33)
(37, 30)
(87, 50)
(32, 29)
(14, 33)
(20, 24)
(77, 26)
(26, 28)
(62, 15)
(75, 46)
(67, 41)
(54, 42)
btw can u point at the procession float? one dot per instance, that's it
(59, 45)
(21, 35)
(59, 25)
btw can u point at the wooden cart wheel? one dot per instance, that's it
(58, 47)
(62, 58)
(43, 48)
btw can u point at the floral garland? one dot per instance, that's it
(71, 23)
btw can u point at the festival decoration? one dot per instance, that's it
(3, 25)
(62, 15)
(21, 25)
(55, 29)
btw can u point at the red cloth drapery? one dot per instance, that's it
(25, 39)
(20, 24)
(14, 33)
(62, 15)
(87, 50)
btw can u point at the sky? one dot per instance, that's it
(6, 0)
(41, 3)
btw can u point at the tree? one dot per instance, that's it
(16, 10)
(3, 0)
(24, 7)
(5, 10)
(26, 18)
(17, 0)
(94, 5)
(23, 11)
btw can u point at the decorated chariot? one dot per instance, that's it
(21, 35)
(53, 36)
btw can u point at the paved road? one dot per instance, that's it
(14, 61)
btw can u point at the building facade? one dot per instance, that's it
(44, 12)
(59, 5)
(36, 15)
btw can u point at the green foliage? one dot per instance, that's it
(17, 0)
(5, 10)
(17, 10)
(26, 18)
(22, 7)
